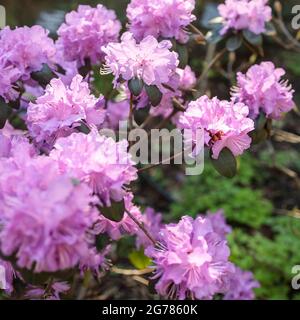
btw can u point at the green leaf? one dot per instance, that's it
(44, 76)
(4, 112)
(139, 260)
(154, 95)
(135, 86)
(255, 39)
(103, 84)
(226, 163)
(233, 43)
(183, 55)
(115, 211)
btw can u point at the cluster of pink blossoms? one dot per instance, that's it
(245, 14)
(262, 89)
(22, 51)
(44, 217)
(86, 31)
(97, 160)
(241, 285)
(149, 60)
(61, 109)
(160, 18)
(225, 124)
(191, 260)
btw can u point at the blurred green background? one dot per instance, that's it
(261, 203)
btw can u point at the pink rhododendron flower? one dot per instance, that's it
(262, 89)
(116, 229)
(116, 111)
(225, 124)
(44, 216)
(153, 223)
(85, 31)
(218, 222)
(22, 51)
(245, 14)
(61, 109)
(16, 147)
(65, 70)
(8, 76)
(53, 292)
(191, 260)
(149, 60)
(241, 285)
(100, 161)
(160, 18)
(187, 78)
(9, 274)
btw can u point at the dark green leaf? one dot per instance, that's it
(255, 39)
(115, 211)
(154, 95)
(44, 76)
(139, 260)
(4, 112)
(233, 43)
(135, 86)
(226, 163)
(183, 55)
(83, 128)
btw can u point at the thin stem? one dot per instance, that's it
(130, 272)
(141, 226)
(147, 121)
(163, 162)
(211, 63)
(196, 30)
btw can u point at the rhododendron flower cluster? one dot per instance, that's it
(86, 31)
(251, 15)
(225, 124)
(160, 18)
(22, 51)
(191, 260)
(61, 109)
(241, 285)
(97, 160)
(262, 89)
(69, 192)
(44, 217)
(149, 60)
